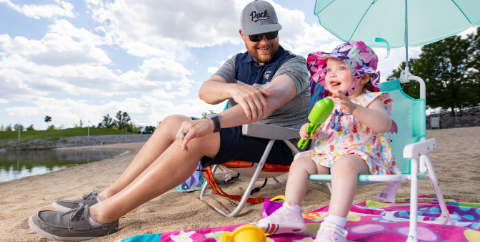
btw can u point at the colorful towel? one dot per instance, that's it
(367, 221)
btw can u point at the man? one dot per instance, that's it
(270, 86)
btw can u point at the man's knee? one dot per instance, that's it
(173, 121)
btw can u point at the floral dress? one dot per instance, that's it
(347, 135)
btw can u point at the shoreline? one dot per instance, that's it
(455, 161)
(75, 141)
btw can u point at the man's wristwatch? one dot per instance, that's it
(216, 122)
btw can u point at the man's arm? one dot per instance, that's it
(282, 90)
(251, 99)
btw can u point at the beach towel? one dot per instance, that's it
(367, 221)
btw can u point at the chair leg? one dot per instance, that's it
(250, 185)
(277, 180)
(412, 233)
(445, 217)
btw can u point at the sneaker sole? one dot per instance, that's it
(35, 228)
(283, 229)
(60, 207)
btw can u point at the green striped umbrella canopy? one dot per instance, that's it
(397, 23)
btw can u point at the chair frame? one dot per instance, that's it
(272, 133)
(421, 167)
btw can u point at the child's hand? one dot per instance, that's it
(304, 134)
(344, 102)
(303, 131)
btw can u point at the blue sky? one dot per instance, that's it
(81, 60)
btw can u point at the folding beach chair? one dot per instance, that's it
(259, 169)
(254, 169)
(410, 148)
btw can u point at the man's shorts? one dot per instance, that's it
(235, 146)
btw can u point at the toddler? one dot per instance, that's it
(353, 141)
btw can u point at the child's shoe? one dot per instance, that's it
(330, 232)
(284, 220)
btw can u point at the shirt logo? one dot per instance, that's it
(259, 16)
(267, 74)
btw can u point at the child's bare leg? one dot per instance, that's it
(298, 178)
(288, 218)
(345, 171)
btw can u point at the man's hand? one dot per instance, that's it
(344, 102)
(251, 99)
(193, 129)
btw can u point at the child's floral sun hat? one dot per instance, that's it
(360, 58)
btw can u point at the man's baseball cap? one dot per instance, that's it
(259, 17)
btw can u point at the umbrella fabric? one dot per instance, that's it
(366, 20)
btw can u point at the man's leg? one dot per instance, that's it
(161, 139)
(169, 170)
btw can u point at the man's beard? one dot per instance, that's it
(262, 59)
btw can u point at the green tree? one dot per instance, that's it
(9, 128)
(122, 119)
(150, 129)
(48, 119)
(81, 123)
(2, 128)
(18, 126)
(205, 114)
(108, 122)
(443, 67)
(30, 128)
(51, 127)
(474, 60)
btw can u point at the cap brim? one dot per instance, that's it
(262, 29)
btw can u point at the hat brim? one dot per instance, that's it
(262, 29)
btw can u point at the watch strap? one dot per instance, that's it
(216, 123)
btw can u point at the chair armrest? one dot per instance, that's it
(415, 150)
(269, 132)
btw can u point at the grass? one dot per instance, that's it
(56, 134)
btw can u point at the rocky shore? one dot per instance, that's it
(40, 144)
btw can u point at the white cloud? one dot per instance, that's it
(22, 79)
(396, 57)
(212, 70)
(37, 11)
(54, 50)
(3, 100)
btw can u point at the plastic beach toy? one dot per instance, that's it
(249, 232)
(269, 206)
(319, 114)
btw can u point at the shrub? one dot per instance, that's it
(30, 128)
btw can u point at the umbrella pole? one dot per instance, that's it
(406, 37)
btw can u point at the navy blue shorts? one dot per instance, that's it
(235, 146)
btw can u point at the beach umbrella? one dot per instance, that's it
(397, 23)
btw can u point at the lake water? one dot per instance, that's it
(18, 164)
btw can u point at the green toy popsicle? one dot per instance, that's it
(319, 114)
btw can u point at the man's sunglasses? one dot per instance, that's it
(258, 37)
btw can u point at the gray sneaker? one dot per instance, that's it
(65, 205)
(72, 225)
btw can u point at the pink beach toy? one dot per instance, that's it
(269, 206)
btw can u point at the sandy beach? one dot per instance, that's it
(455, 160)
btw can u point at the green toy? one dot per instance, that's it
(319, 114)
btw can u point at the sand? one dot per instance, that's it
(455, 159)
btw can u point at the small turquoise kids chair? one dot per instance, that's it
(410, 148)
